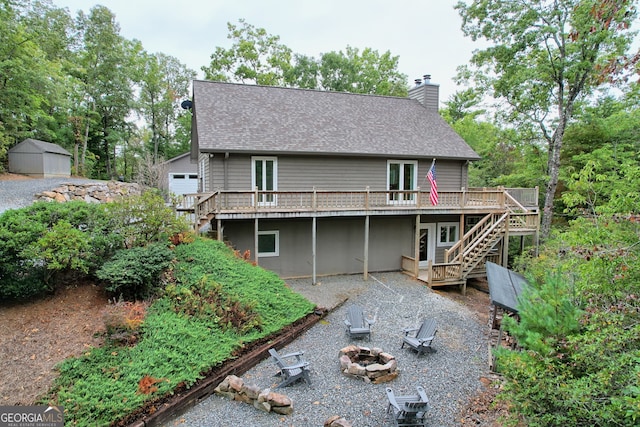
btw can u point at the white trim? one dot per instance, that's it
(264, 199)
(411, 200)
(276, 234)
(450, 241)
(431, 244)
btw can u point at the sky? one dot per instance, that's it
(424, 35)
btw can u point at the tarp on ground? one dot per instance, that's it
(505, 286)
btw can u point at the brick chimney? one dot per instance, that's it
(426, 93)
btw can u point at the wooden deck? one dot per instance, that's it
(251, 204)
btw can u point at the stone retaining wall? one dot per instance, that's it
(90, 192)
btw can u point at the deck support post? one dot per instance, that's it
(255, 241)
(219, 229)
(314, 227)
(505, 244)
(416, 249)
(366, 247)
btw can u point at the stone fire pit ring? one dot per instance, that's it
(371, 365)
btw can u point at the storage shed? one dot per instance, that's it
(39, 159)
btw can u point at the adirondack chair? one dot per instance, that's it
(358, 325)
(420, 339)
(299, 370)
(408, 410)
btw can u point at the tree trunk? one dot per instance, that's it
(84, 149)
(553, 168)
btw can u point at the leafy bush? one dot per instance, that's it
(580, 329)
(33, 244)
(135, 273)
(143, 219)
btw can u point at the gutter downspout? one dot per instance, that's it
(225, 167)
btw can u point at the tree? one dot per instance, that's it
(164, 83)
(33, 43)
(255, 57)
(107, 61)
(367, 72)
(545, 57)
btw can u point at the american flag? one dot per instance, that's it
(431, 176)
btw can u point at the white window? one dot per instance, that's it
(268, 243)
(447, 233)
(264, 176)
(402, 176)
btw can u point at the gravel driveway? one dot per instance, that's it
(18, 193)
(450, 376)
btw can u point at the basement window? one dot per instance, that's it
(447, 233)
(268, 243)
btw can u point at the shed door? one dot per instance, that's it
(183, 183)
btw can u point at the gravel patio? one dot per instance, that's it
(450, 376)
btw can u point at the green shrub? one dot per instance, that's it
(32, 245)
(580, 331)
(135, 273)
(206, 299)
(143, 219)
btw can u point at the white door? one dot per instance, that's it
(427, 247)
(264, 172)
(183, 183)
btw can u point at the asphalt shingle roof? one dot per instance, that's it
(267, 119)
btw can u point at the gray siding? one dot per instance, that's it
(42, 165)
(303, 173)
(182, 164)
(206, 172)
(56, 165)
(427, 94)
(340, 244)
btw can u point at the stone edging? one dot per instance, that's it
(266, 400)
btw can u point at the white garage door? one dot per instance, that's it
(183, 183)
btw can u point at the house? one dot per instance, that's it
(318, 183)
(182, 175)
(39, 159)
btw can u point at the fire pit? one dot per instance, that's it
(372, 365)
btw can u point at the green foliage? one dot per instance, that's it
(548, 315)
(63, 248)
(42, 244)
(178, 341)
(544, 56)
(135, 273)
(580, 330)
(603, 172)
(207, 300)
(365, 72)
(142, 219)
(255, 57)
(258, 57)
(31, 247)
(243, 280)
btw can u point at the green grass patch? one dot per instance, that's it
(178, 345)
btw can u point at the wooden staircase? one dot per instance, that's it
(476, 244)
(469, 253)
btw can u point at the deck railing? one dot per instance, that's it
(220, 202)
